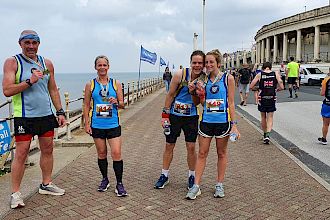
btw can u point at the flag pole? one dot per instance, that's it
(139, 73)
(159, 67)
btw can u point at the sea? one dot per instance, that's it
(74, 84)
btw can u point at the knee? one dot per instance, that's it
(191, 149)
(202, 154)
(169, 148)
(20, 156)
(47, 150)
(102, 155)
(116, 155)
(222, 154)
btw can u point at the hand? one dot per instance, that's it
(235, 130)
(165, 119)
(113, 100)
(191, 87)
(61, 121)
(88, 129)
(36, 75)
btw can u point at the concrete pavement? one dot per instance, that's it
(261, 181)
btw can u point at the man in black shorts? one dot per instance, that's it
(181, 113)
(269, 83)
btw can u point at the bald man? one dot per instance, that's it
(29, 78)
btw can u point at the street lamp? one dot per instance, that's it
(195, 47)
(204, 25)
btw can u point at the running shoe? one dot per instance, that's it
(322, 140)
(219, 191)
(162, 182)
(51, 189)
(296, 96)
(191, 181)
(104, 185)
(193, 192)
(120, 190)
(16, 200)
(266, 140)
(242, 102)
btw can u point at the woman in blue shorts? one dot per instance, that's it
(103, 98)
(325, 110)
(216, 94)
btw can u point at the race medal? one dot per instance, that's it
(184, 83)
(214, 89)
(45, 72)
(105, 99)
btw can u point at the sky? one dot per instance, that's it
(74, 32)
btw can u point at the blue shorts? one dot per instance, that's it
(325, 111)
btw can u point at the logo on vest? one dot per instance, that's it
(21, 130)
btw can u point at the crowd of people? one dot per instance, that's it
(30, 79)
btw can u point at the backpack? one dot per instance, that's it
(245, 76)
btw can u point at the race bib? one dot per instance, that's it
(104, 110)
(182, 108)
(215, 106)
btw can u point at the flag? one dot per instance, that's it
(173, 67)
(162, 62)
(148, 56)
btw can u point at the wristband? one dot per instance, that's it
(233, 122)
(166, 110)
(60, 112)
(28, 82)
(165, 115)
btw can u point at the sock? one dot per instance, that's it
(118, 167)
(219, 184)
(103, 166)
(165, 172)
(290, 90)
(265, 134)
(191, 173)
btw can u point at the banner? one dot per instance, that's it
(5, 138)
(162, 62)
(148, 56)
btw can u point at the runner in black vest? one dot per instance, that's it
(269, 83)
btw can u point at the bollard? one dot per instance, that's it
(82, 110)
(128, 94)
(123, 91)
(68, 130)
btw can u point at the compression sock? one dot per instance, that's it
(290, 90)
(103, 165)
(118, 167)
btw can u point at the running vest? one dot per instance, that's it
(216, 101)
(183, 104)
(267, 87)
(33, 101)
(103, 115)
(327, 91)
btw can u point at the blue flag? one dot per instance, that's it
(162, 62)
(148, 56)
(4, 137)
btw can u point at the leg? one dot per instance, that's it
(101, 148)
(204, 146)
(115, 145)
(325, 127)
(221, 144)
(242, 98)
(256, 96)
(263, 122)
(246, 98)
(191, 155)
(18, 165)
(46, 158)
(269, 121)
(290, 89)
(168, 155)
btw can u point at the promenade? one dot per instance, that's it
(262, 182)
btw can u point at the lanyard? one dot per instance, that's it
(104, 91)
(44, 71)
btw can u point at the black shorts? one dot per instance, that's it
(292, 80)
(265, 106)
(34, 125)
(218, 130)
(189, 125)
(106, 133)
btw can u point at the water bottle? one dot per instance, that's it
(166, 127)
(233, 137)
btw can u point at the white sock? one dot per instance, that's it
(165, 172)
(219, 184)
(191, 173)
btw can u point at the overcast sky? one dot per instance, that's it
(74, 32)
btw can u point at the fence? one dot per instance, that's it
(132, 92)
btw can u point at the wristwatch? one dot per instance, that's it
(28, 82)
(60, 112)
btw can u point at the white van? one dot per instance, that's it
(311, 75)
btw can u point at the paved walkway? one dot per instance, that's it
(261, 181)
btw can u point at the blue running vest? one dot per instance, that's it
(183, 104)
(34, 101)
(216, 102)
(103, 115)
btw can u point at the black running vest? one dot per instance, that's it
(267, 87)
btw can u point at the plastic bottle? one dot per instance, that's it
(233, 137)
(166, 127)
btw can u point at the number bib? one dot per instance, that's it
(182, 108)
(103, 110)
(215, 106)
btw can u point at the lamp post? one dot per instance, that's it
(195, 47)
(204, 25)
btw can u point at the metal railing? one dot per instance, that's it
(131, 94)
